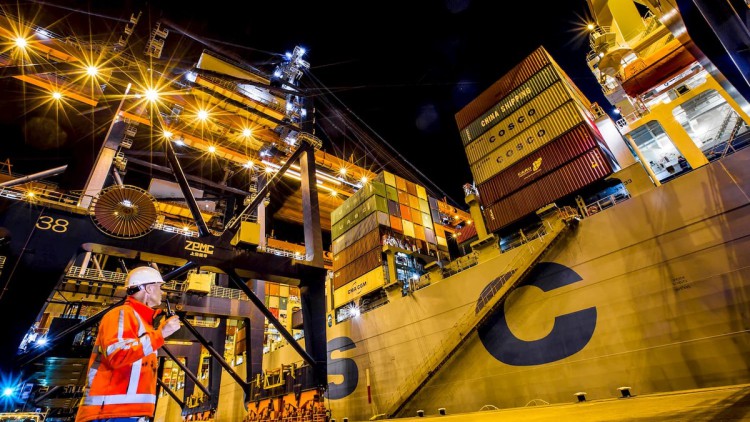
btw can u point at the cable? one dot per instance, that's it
(394, 161)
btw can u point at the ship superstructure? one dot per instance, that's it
(675, 113)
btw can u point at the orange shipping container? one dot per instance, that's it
(396, 224)
(400, 184)
(405, 212)
(403, 197)
(411, 188)
(419, 232)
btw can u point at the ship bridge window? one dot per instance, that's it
(712, 124)
(659, 151)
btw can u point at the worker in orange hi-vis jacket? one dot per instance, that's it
(122, 370)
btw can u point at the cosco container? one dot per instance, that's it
(584, 170)
(537, 164)
(363, 194)
(374, 203)
(358, 267)
(355, 233)
(538, 108)
(367, 243)
(510, 103)
(511, 80)
(523, 144)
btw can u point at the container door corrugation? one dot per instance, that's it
(367, 243)
(569, 178)
(534, 111)
(358, 267)
(355, 233)
(509, 104)
(374, 203)
(546, 130)
(537, 164)
(363, 194)
(508, 82)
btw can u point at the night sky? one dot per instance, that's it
(399, 70)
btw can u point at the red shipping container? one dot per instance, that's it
(367, 243)
(539, 163)
(584, 170)
(358, 267)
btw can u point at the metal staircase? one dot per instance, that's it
(491, 299)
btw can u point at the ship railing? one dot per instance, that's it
(174, 229)
(227, 293)
(112, 277)
(460, 264)
(606, 202)
(41, 194)
(96, 275)
(466, 324)
(2, 262)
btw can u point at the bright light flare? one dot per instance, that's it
(167, 134)
(21, 42)
(57, 95)
(247, 132)
(212, 149)
(151, 94)
(249, 165)
(8, 391)
(92, 70)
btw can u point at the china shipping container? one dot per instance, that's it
(582, 171)
(507, 105)
(365, 244)
(532, 112)
(537, 164)
(358, 267)
(555, 124)
(511, 80)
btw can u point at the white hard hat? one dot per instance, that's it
(142, 275)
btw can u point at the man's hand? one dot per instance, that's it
(171, 325)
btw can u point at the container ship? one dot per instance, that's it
(595, 257)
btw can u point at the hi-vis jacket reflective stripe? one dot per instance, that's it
(122, 368)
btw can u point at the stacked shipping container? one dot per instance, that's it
(387, 209)
(530, 140)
